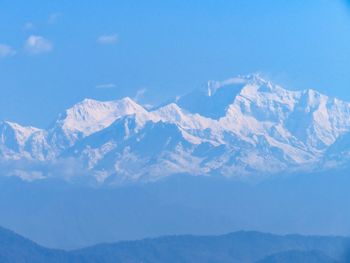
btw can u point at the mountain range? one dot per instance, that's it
(235, 128)
(242, 247)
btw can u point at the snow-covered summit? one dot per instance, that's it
(90, 116)
(240, 126)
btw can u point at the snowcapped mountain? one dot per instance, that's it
(238, 127)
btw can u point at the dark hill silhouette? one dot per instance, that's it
(249, 247)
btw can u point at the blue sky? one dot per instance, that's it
(55, 53)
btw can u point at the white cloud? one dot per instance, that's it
(28, 176)
(37, 45)
(107, 39)
(6, 51)
(106, 86)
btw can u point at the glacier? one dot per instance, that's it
(241, 127)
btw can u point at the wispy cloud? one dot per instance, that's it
(105, 86)
(107, 39)
(140, 94)
(54, 17)
(6, 51)
(29, 26)
(37, 45)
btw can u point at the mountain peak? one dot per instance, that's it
(90, 115)
(241, 126)
(128, 100)
(20, 132)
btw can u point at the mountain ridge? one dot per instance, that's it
(243, 246)
(238, 127)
